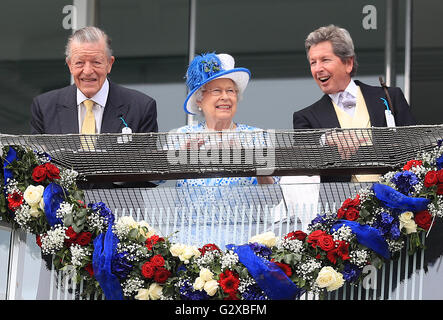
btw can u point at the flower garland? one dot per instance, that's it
(126, 259)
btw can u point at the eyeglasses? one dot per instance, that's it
(218, 92)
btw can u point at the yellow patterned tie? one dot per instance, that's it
(88, 126)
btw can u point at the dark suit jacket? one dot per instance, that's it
(55, 112)
(321, 114)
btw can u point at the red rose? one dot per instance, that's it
(39, 173)
(423, 219)
(231, 296)
(285, 267)
(70, 233)
(343, 250)
(157, 261)
(355, 202)
(440, 176)
(151, 241)
(412, 163)
(52, 172)
(72, 236)
(229, 282)
(352, 214)
(161, 275)
(84, 238)
(148, 270)
(326, 242)
(38, 240)
(15, 200)
(430, 179)
(296, 235)
(332, 256)
(440, 189)
(314, 236)
(349, 209)
(90, 269)
(341, 213)
(208, 247)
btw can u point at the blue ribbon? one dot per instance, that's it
(10, 157)
(397, 200)
(367, 236)
(269, 277)
(53, 196)
(104, 249)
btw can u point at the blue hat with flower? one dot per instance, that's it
(210, 66)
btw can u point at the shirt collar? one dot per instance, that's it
(99, 98)
(351, 88)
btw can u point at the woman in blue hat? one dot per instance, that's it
(215, 87)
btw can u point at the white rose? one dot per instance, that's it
(211, 287)
(329, 278)
(206, 274)
(143, 294)
(177, 249)
(33, 195)
(187, 253)
(339, 281)
(268, 239)
(34, 212)
(152, 293)
(128, 221)
(199, 283)
(407, 222)
(155, 291)
(42, 205)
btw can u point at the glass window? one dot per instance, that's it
(268, 38)
(150, 43)
(31, 59)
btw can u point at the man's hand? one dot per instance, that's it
(347, 142)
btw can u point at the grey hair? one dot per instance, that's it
(88, 35)
(341, 41)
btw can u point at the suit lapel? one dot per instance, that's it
(67, 111)
(114, 109)
(326, 113)
(375, 105)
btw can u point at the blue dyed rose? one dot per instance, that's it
(405, 181)
(120, 265)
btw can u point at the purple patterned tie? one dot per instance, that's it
(346, 100)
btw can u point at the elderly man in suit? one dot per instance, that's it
(89, 59)
(346, 103)
(93, 104)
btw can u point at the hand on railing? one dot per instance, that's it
(347, 142)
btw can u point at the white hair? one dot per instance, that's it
(88, 35)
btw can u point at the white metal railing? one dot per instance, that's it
(221, 225)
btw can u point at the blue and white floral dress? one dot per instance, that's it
(247, 140)
(207, 200)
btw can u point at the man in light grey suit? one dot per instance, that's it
(89, 59)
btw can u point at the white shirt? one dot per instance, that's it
(100, 99)
(352, 89)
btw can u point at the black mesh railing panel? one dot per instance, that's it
(119, 157)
